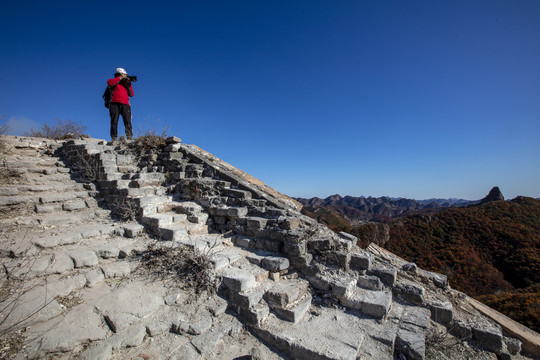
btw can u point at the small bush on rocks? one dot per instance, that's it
(150, 140)
(60, 130)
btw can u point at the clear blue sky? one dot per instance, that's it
(416, 99)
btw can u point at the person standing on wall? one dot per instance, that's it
(119, 105)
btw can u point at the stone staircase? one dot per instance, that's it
(306, 291)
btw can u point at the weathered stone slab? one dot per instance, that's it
(116, 269)
(83, 258)
(130, 337)
(120, 321)
(74, 205)
(131, 299)
(275, 263)
(339, 336)
(78, 326)
(96, 351)
(207, 342)
(94, 277)
(372, 303)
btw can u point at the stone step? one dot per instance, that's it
(181, 230)
(236, 193)
(160, 220)
(151, 200)
(286, 292)
(136, 192)
(149, 176)
(66, 219)
(339, 335)
(372, 303)
(295, 311)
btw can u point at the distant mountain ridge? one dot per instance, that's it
(362, 209)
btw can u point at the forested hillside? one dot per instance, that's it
(489, 251)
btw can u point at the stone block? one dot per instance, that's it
(461, 330)
(94, 277)
(84, 257)
(409, 292)
(346, 236)
(275, 263)
(120, 321)
(156, 328)
(116, 269)
(411, 344)
(417, 316)
(360, 261)
(291, 223)
(237, 212)
(238, 280)
(247, 299)
(242, 241)
(132, 230)
(207, 343)
(320, 245)
(344, 245)
(173, 140)
(372, 303)
(285, 293)
(294, 312)
(441, 311)
(369, 282)
(387, 275)
(341, 287)
(256, 314)
(490, 338)
(294, 248)
(256, 222)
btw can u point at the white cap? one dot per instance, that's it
(121, 71)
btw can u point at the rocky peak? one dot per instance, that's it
(494, 195)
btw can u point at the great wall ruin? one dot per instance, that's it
(288, 287)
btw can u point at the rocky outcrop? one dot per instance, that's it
(494, 195)
(307, 292)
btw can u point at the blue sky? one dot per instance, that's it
(416, 99)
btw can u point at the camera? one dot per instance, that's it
(132, 78)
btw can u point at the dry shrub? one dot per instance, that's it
(60, 130)
(87, 166)
(150, 140)
(124, 208)
(190, 268)
(8, 176)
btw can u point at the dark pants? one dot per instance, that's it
(117, 109)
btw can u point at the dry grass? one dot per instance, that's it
(149, 140)
(189, 268)
(125, 209)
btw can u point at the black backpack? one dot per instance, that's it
(107, 95)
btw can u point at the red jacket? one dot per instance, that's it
(120, 93)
